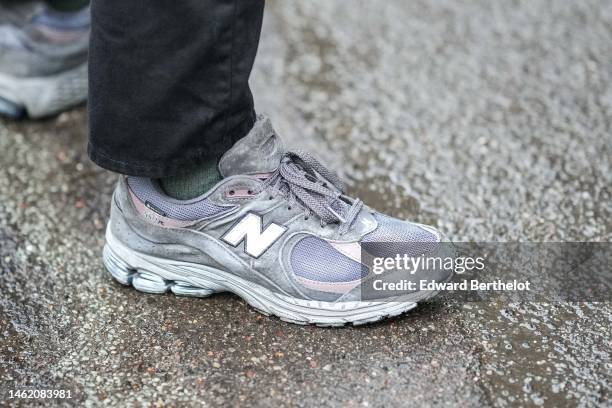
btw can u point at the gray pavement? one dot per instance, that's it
(489, 119)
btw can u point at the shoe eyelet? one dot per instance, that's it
(250, 192)
(306, 218)
(271, 198)
(289, 208)
(231, 192)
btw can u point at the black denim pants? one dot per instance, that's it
(169, 82)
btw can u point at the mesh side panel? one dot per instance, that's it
(393, 236)
(190, 210)
(313, 258)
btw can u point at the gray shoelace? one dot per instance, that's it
(303, 179)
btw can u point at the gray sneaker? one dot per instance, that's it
(43, 63)
(277, 231)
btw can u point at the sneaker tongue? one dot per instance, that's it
(260, 151)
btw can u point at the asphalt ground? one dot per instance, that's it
(488, 119)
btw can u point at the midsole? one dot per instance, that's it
(206, 277)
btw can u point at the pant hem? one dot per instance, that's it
(172, 166)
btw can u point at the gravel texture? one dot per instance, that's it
(489, 119)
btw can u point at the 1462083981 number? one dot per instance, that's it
(40, 394)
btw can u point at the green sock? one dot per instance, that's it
(193, 184)
(67, 5)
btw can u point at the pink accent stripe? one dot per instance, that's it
(60, 36)
(330, 287)
(156, 218)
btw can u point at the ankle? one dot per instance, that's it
(194, 183)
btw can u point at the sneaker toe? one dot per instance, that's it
(393, 236)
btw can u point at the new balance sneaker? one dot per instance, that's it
(277, 231)
(43, 63)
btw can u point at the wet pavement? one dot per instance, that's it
(491, 120)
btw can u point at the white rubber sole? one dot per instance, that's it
(44, 96)
(158, 275)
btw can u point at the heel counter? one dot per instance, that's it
(133, 223)
(141, 208)
(117, 223)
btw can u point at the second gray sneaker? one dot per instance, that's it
(43, 63)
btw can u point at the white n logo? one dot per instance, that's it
(256, 240)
